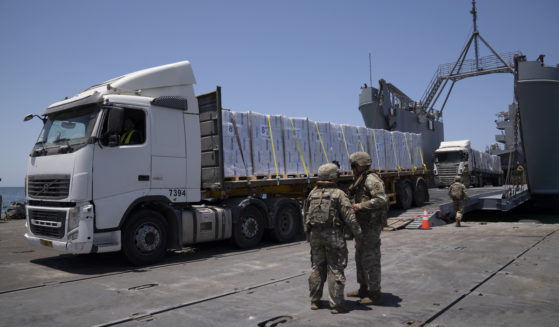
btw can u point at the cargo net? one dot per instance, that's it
(275, 146)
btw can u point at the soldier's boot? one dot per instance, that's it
(361, 292)
(372, 298)
(342, 308)
(315, 305)
(458, 223)
(376, 297)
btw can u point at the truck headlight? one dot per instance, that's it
(73, 218)
(78, 213)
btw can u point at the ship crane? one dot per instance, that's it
(464, 68)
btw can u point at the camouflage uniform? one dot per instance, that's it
(368, 192)
(518, 175)
(457, 192)
(327, 210)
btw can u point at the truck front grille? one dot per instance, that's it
(47, 222)
(48, 186)
(447, 173)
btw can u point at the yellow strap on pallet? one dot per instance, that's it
(345, 143)
(376, 149)
(421, 155)
(409, 154)
(322, 144)
(300, 152)
(273, 149)
(395, 156)
(361, 143)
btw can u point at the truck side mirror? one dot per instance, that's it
(114, 125)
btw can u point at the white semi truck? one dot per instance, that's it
(93, 188)
(450, 160)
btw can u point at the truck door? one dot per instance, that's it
(121, 173)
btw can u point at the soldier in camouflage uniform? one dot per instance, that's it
(370, 204)
(457, 192)
(518, 176)
(327, 211)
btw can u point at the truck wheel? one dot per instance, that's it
(420, 194)
(247, 232)
(404, 195)
(145, 237)
(286, 225)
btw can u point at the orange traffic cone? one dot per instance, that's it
(425, 222)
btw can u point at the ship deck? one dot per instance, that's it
(483, 274)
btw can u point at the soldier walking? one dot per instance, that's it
(457, 192)
(371, 207)
(327, 211)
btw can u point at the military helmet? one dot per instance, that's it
(327, 172)
(457, 178)
(360, 159)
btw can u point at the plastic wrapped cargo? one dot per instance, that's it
(496, 163)
(391, 159)
(268, 139)
(339, 142)
(402, 150)
(234, 165)
(417, 155)
(354, 141)
(320, 147)
(299, 143)
(296, 140)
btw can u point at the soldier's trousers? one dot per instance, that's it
(329, 259)
(367, 260)
(458, 209)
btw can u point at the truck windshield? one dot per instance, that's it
(449, 157)
(70, 128)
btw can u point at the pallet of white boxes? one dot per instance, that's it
(274, 146)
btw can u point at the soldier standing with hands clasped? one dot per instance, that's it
(327, 211)
(371, 207)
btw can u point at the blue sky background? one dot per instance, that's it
(291, 57)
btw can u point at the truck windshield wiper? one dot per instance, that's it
(42, 151)
(64, 149)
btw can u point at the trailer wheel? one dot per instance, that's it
(404, 195)
(247, 232)
(145, 237)
(286, 225)
(420, 193)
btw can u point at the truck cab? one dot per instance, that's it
(83, 178)
(449, 161)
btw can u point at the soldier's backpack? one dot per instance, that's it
(318, 213)
(455, 191)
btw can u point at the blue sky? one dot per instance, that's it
(291, 57)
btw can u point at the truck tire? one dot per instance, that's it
(287, 224)
(420, 193)
(248, 231)
(404, 194)
(145, 237)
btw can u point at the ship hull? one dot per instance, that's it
(537, 92)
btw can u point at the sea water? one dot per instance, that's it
(10, 194)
